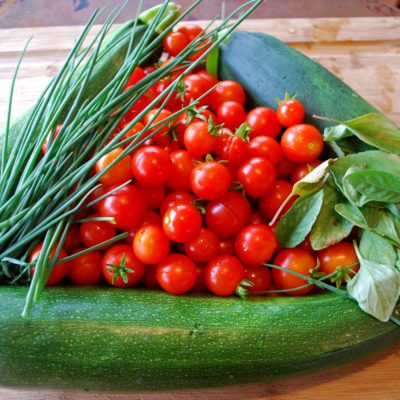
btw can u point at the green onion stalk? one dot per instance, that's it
(41, 194)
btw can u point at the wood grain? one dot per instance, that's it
(365, 53)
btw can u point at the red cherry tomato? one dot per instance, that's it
(117, 174)
(93, 233)
(72, 240)
(154, 195)
(127, 205)
(149, 279)
(263, 122)
(161, 137)
(257, 176)
(257, 218)
(226, 246)
(151, 166)
(151, 244)
(227, 91)
(120, 266)
(136, 129)
(261, 279)
(210, 78)
(174, 198)
(271, 203)
(86, 269)
(136, 76)
(284, 167)
(174, 103)
(59, 271)
(195, 86)
(210, 180)
(182, 222)
(151, 217)
(232, 148)
(298, 260)
(182, 165)
(290, 112)
(339, 255)
(177, 274)
(306, 244)
(227, 215)
(231, 114)
(199, 285)
(223, 274)
(191, 31)
(302, 143)
(300, 171)
(204, 247)
(198, 139)
(267, 147)
(175, 42)
(255, 244)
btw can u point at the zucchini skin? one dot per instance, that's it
(134, 340)
(267, 68)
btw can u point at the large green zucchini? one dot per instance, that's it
(110, 339)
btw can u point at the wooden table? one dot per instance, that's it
(365, 53)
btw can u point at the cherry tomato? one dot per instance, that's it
(151, 166)
(261, 279)
(267, 147)
(210, 180)
(179, 176)
(297, 260)
(257, 176)
(171, 146)
(204, 247)
(255, 244)
(199, 285)
(270, 204)
(232, 149)
(223, 274)
(154, 195)
(210, 78)
(120, 266)
(174, 103)
(339, 255)
(195, 86)
(231, 114)
(263, 122)
(127, 205)
(201, 49)
(182, 222)
(59, 271)
(226, 246)
(302, 143)
(117, 174)
(151, 217)
(198, 139)
(174, 198)
(306, 244)
(284, 167)
(227, 91)
(86, 269)
(191, 31)
(72, 240)
(149, 69)
(175, 42)
(302, 170)
(137, 128)
(46, 142)
(161, 137)
(149, 279)
(151, 244)
(136, 76)
(93, 233)
(227, 215)
(257, 218)
(177, 274)
(290, 112)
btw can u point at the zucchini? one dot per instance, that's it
(267, 68)
(119, 340)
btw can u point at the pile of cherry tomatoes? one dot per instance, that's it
(202, 194)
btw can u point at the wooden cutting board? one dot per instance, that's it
(365, 53)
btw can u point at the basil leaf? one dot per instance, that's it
(376, 130)
(372, 185)
(394, 209)
(337, 132)
(352, 214)
(397, 265)
(375, 248)
(372, 159)
(330, 227)
(297, 222)
(376, 287)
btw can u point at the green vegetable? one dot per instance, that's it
(375, 248)
(376, 287)
(105, 339)
(296, 224)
